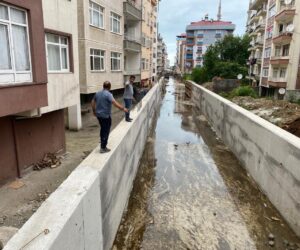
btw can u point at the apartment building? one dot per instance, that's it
(275, 65)
(39, 81)
(132, 38)
(162, 55)
(149, 32)
(180, 52)
(200, 35)
(100, 39)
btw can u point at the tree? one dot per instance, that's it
(228, 57)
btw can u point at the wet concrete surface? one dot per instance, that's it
(191, 192)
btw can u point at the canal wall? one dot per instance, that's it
(86, 210)
(270, 154)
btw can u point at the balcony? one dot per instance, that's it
(276, 61)
(286, 15)
(256, 4)
(132, 11)
(190, 35)
(283, 38)
(132, 46)
(277, 82)
(262, 11)
(190, 43)
(260, 27)
(129, 72)
(133, 38)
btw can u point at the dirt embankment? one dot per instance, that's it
(281, 113)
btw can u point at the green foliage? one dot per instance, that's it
(243, 91)
(227, 58)
(229, 70)
(187, 77)
(199, 75)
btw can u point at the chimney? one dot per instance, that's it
(206, 17)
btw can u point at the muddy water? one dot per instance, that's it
(192, 193)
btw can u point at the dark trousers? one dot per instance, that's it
(105, 124)
(127, 104)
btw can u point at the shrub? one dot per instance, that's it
(187, 77)
(199, 75)
(243, 91)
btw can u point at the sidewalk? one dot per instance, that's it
(20, 199)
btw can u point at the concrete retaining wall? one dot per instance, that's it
(86, 210)
(270, 154)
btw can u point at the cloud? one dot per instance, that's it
(175, 15)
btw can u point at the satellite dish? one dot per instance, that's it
(240, 76)
(287, 2)
(290, 28)
(281, 91)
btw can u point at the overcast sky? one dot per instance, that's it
(175, 15)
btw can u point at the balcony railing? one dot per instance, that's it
(132, 11)
(129, 72)
(132, 46)
(133, 38)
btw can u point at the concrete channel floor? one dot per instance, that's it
(191, 192)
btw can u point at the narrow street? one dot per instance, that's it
(191, 192)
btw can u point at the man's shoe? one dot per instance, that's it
(104, 150)
(128, 120)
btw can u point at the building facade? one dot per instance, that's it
(132, 38)
(39, 81)
(274, 65)
(200, 35)
(101, 36)
(180, 53)
(149, 34)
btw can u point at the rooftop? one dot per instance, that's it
(210, 24)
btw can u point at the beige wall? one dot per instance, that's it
(96, 38)
(63, 88)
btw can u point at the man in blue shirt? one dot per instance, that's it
(101, 105)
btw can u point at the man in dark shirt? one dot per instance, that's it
(101, 105)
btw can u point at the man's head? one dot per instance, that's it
(132, 78)
(107, 85)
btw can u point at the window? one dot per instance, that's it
(115, 23)
(277, 51)
(272, 11)
(115, 61)
(14, 45)
(269, 33)
(57, 53)
(267, 52)
(286, 50)
(143, 62)
(97, 58)
(282, 73)
(96, 15)
(275, 73)
(265, 72)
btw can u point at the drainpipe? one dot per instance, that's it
(16, 148)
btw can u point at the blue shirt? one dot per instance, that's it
(103, 101)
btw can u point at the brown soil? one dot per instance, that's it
(281, 113)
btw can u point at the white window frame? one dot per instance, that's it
(115, 58)
(101, 14)
(9, 24)
(61, 46)
(97, 56)
(265, 72)
(115, 17)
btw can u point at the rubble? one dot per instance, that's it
(49, 161)
(282, 113)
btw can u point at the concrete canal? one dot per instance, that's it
(191, 192)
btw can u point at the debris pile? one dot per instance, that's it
(49, 161)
